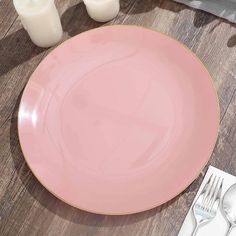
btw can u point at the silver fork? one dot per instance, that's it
(206, 206)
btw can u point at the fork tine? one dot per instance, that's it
(208, 192)
(217, 193)
(220, 190)
(211, 193)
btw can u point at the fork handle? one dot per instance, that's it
(194, 233)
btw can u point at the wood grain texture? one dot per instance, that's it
(26, 208)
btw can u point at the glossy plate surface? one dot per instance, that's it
(118, 120)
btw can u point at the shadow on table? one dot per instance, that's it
(232, 41)
(47, 200)
(75, 20)
(18, 48)
(136, 7)
(15, 49)
(201, 18)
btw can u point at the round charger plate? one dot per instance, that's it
(118, 120)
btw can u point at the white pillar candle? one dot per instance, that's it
(102, 10)
(41, 20)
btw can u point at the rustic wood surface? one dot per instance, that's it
(26, 208)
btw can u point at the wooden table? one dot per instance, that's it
(26, 208)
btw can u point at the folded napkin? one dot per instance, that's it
(222, 8)
(218, 226)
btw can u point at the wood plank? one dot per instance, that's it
(8, 16)
(26, 208)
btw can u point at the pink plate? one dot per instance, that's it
(118, 120)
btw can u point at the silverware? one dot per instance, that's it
(206, 206)
(229, 207)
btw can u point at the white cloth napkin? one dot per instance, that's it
(222, 8)
(218, 226)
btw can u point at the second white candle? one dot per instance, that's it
(102, 10)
